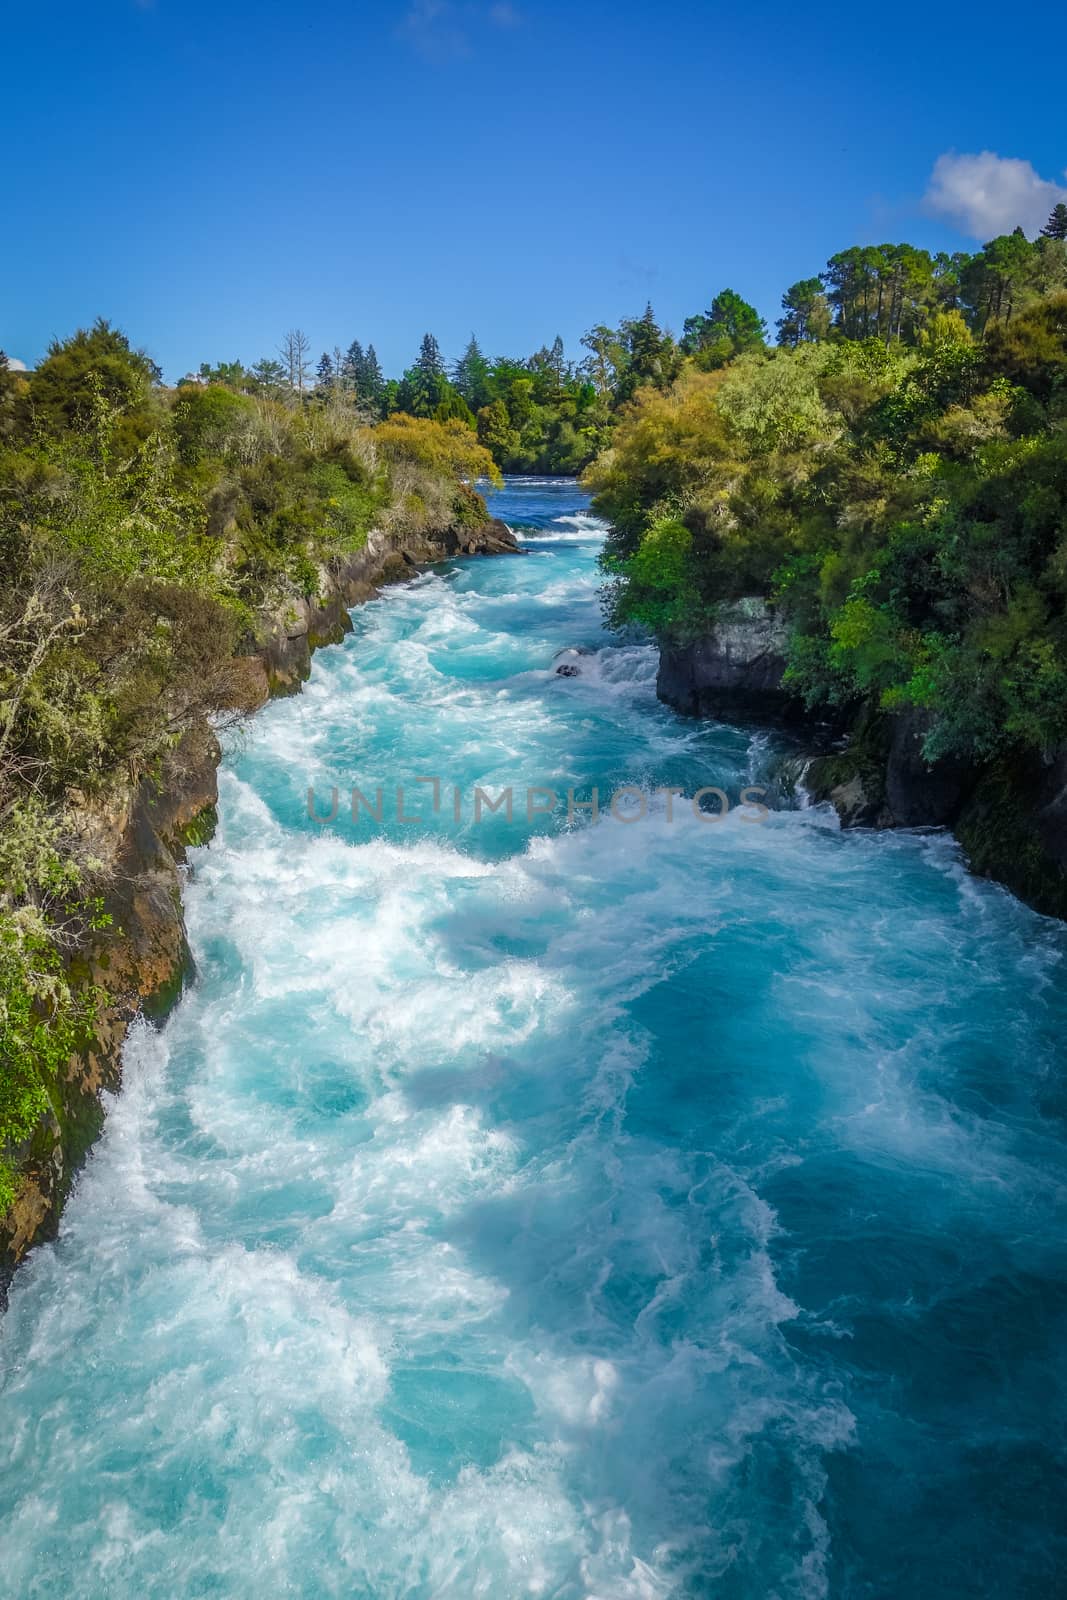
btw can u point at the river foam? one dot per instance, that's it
(604, 1211)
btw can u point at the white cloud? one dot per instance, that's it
(16, 366)
(985, 195)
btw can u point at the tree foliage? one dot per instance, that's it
(448, 447)
(894, 477)
(730, 328)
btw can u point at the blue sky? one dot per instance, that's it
(209, 175)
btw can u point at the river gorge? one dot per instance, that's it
(593, 1208)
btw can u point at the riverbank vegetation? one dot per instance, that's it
(542, 413)
(892, 474)
(143, 530)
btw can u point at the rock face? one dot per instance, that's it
(142, 961)
(1013, 827)
(920, 792)
(1010, 816)
(1050, 812)
(881, 779)
(733, 673)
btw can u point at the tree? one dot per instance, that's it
(454, 407)
(208, 419)
(1032, 350)
(372, 387)
(667, 448)
(447, 447)
(604, 364)
(352, 367)
(945, 286)
(886, 291)
(470, 375)
(730, 327)
(325, 373)
(807, 314)
(994, 281)
(911, 291)
(9, 385)
(651, 356)
(1056, 226)
(94, 365)
(294, 351)
(424, 386)
(1047, 273)
(773, 400)
(269, 375)
(430, 361)
(231, 373)
(549, 366)
(496, 433)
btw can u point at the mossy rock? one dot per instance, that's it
(853, 780)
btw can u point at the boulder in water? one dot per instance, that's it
(568, 662)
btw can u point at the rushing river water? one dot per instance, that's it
(669, 1207)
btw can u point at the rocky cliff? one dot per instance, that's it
(735, 672)
(288, 634)
(140, 834)
(1010, 816)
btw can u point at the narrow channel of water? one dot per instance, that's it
(515, 1208)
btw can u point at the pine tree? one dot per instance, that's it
(430, 361)
(324, 372)
(424, 386)
(373, 380)
(268, 375)
(353, 365)
(470, 375)
(651, 355)
(807, 313)
(1056, 226)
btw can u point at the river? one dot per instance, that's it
(655, 1205)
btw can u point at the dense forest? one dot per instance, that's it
(540, 414)
(892, 476)
(142, 532)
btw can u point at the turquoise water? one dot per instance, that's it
(616, 1210)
